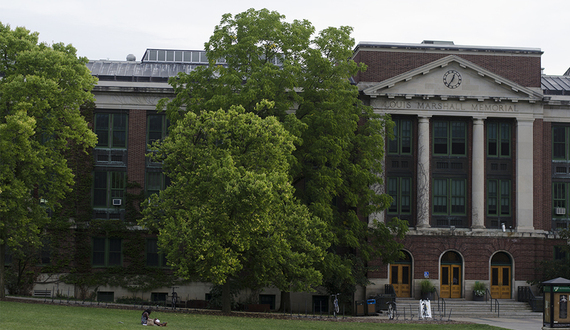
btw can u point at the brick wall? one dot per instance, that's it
(524, 70)
(477, 253)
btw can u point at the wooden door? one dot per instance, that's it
(455, 281)
(450, 281)
(501, 282)
(400, 279)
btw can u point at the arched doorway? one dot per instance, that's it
(450, 275)
(501, 273)
(400, 276)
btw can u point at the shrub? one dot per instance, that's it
(479, 289)
(426, 286)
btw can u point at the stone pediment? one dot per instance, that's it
(452, 77)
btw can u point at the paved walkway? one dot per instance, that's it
(534, 323)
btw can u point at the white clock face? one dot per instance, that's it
(452, 79)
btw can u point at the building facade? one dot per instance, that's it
(479, 164)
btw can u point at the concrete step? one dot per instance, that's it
(469, 308)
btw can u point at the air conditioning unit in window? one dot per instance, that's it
(560, 210)
(117, 201)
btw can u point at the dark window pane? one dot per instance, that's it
(505, 149)
(102, 129)
(405, 199)
(98, 251)
(120, 122)
(152, 258)
(114, 251)
(393, 146)
(155, 123)
(559, 142)
(394, 275)
(405, 275)
(406, 136)
(492, 148)
(458, 138)
(455, 272)
(119, 139)
(100, 180)
(495, 276)
(440, 138)
(100, 189)
(506, 276)
(444, 276)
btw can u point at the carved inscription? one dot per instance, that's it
(451, 106)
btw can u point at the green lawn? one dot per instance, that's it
(16, 315)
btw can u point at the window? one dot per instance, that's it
(499, 197)
(320, 304)
(449, 138)
(158, 296)
(560, 253)
(449, 196)
(105, 296)
(400, 191)
(108, 187)
(156, 128)
(560, 199)
(402, 142)
(268, 299)
(498, 139)
(107, 252)
(560, 142)
(44, 257)
(153, 257)
(111, 130)
(155, 182)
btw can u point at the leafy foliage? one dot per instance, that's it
(559, 266)
(230, 210)
(340, 142)
(41, 90)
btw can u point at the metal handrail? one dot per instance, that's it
(443, 305)
(496, 301)
(525, 294)
(389, 289)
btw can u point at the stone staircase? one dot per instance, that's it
(468, 308)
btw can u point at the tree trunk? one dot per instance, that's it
(285, 304)
(226, 298)
(2, 270)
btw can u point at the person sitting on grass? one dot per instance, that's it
(146, 320)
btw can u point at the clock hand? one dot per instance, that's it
(452, 78)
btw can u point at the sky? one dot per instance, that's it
(112, 29)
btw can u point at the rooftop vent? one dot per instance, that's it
(131, 58)
(437, 42)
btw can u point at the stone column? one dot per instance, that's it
(524, 175)
(478, 175)
(423, 173)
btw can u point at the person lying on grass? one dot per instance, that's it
(146, 320)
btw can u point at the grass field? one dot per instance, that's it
(17, 315)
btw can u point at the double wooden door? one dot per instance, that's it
(501, 282)
(450, 281)
(400, 275)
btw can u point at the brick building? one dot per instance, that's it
(479, 165)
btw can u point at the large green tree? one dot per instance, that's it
(229, 214)
(257, 55)
(41, 90)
